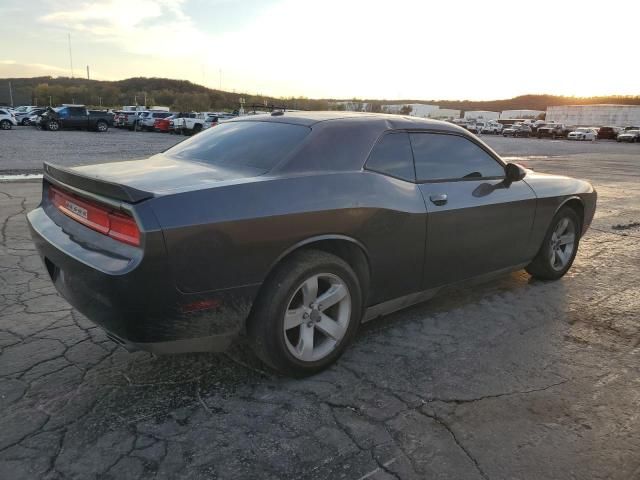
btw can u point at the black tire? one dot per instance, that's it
(197, 128)
(53, 125)
(24, 122)
(542, 267)
(266, 322)
(102, 126)
(5, 125)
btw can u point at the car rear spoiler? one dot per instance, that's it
(97, 186)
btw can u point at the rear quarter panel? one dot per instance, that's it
(232, 235)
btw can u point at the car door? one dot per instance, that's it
(477, 222)
(77, 117)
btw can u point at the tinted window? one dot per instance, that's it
(3, 112)
(392, 156)
(254, 144)
(439, 156)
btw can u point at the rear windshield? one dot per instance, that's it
(259, 145)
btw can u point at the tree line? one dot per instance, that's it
(182, 95)
(178, 95)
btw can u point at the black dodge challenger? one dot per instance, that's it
(291, 229)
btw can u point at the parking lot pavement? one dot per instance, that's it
(25, 148)
(511, 379)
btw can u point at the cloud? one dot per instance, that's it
(12, 69)
(134, 26)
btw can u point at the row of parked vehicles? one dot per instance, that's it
(164, 121)
(160, 119)
(542, 129)
(80, 117)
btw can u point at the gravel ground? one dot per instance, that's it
(511, 379)
(25, 148)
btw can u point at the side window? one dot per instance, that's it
(3, 112)
(441, 156)
(392, 156)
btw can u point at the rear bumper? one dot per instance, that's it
(132, 296)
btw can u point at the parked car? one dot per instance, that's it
(583, 133)
(127, 119)
(608, 133)
(23, 109)
(517, 130)
(475, 127)
(117, 116)
(146, 120)
(218, 237)
(75, 116)
(34, 119)
(24, 118)
(162, 124)
(553, 130)
(188, 124)
(629, 136)
(215, 119)
(7, 120)
(492, 127)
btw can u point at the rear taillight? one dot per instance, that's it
(118, 226)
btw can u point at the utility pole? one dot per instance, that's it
(88, 78)
(50, 101)
(70, 57)
(220, 76)
(10, 94)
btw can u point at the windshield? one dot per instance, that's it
(242, 144)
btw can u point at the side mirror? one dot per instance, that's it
(514, 172)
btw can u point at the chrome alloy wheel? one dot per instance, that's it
(562, 243)
(317, 317)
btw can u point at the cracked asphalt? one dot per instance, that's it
(512, 379)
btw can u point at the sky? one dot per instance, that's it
(400, 49)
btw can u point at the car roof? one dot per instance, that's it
(312, 118)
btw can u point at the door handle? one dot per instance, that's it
(439, 200)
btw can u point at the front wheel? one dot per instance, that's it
(53, 125)
(24, 122)
(559, 246)
(306, 314)
(5, 125)
(102, 126)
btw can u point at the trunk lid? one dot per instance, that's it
(137, 180)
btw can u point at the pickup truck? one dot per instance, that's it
(187, 123)
(75, 116)
(553, 130)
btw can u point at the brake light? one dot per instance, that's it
(96, 217)
(124, 228)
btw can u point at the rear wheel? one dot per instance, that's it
(24, 122)
(307, 313)
(559, 246)
(102, 126)
(53, 125)
(5, 125)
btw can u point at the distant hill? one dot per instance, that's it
(182, 95)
